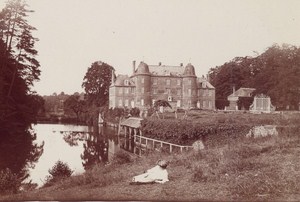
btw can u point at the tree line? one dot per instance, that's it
(275, 73)
(19, 69)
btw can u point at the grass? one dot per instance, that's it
(247, 169)
(252, 169)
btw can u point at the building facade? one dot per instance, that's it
(178, 85)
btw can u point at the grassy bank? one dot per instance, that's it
(251, 169)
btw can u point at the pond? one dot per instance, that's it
(78, 146)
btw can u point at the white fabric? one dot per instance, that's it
(155, 174)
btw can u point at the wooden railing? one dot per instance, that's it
(147, 143)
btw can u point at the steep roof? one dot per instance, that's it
(242, 92)
(163, 70)
(203, 83)
(120, 80)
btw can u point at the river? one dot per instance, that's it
(78, 146)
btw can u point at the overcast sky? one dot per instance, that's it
(75, 33)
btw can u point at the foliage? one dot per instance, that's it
(96, 83)
(186, 131)
(121, 157)
(275, 73)
(9, 182)
(19, 106)
(73, 104)
(59, 171)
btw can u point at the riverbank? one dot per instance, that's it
(265, 168)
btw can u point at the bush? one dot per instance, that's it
(9, 182)
(121, 157)
(58, 172)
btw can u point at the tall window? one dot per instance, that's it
(178, 82)
(154, 91)
(142, 90)
(120, 103)
(168, 90)
(126, 103)
(132, 90)
(168, 82)
(120, 90)
(154, 81)
(189, 81)
(142, 80)
(189, 92)
(126, 90)
(142, 102)
(178, 91)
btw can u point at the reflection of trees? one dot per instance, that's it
(73, 137)
(95, 149)
(18, 152)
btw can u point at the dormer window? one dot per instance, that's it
(203, 85)
(126, 82)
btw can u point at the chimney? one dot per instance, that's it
(159, 63)
(112, 77)
(181, 64)
(133, 67)
(207, 77)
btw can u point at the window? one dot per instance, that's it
(142, 80)
(132, 90)
(120, 103)
(142, 102)
(126, 82)
(168, 90)
(178, 103)
(126, 90)
(209, 105)
(154, 81)
(154, 91)
(204, 104)
(120, 90)
(189, 92)
(142, 90)
(168, 82)
(189, 81)
(189, 103)
(209, 93)
(132, 103)
(126, 103)
(153, 101)
(203, 85)
(169, 98)
(178, 82)
(178, 91)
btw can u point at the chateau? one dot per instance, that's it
(178, 85)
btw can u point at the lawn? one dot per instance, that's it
(258, 169)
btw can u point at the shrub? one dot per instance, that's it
(58, 172)
(121, 157)
(9, 182)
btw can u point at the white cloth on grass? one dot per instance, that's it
(155, 174)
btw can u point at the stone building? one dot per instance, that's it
(178, 85)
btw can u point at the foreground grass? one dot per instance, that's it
(250, 169)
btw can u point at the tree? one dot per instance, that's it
(275, 72)
(96, 83)
(161, 104)
(18, 70)
(74, 104)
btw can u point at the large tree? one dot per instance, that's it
(96, 83)
(275, 72)
(18, 71)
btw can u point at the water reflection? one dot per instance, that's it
(79, 146)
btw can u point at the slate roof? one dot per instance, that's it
(163, 70)
(242, 92)
(120, 80)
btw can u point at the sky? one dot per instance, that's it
(207, 33)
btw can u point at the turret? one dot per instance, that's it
(189, 87)
(143, 85)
